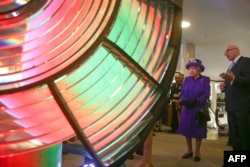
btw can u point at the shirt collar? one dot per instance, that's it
(236, 59)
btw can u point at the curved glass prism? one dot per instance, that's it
(89, 68)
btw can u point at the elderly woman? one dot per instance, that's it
(194, 95)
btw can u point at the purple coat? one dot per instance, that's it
(198, 90)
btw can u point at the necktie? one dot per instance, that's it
(231, 66)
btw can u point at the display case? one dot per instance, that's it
(220, 109)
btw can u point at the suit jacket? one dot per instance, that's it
(237, 94)
(175, 91)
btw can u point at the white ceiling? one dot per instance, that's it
(214, 25)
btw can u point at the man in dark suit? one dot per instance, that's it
(175, 92)
(236, 86)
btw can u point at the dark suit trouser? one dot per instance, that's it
(175, 119)
(239, 129)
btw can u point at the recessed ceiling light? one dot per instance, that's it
(185, 24)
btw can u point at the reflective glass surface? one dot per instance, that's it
(87, 68)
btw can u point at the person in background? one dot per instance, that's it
(194, 95)
(162, 116)
(236, 86)
(175, 92)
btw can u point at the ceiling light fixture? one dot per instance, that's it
(185, 24)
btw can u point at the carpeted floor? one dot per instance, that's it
(167, 150)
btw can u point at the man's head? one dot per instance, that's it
(178, 77)
(231, 52)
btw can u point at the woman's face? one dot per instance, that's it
(194, 71)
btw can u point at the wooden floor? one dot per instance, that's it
(168, 149)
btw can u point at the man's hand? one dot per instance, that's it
(176, 101)
(227, 76)
(222, 86)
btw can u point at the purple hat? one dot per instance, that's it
(195, 62)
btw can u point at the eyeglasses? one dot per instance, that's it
(228, 50)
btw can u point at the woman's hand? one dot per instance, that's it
(189, 103)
